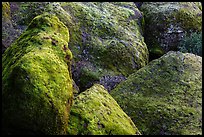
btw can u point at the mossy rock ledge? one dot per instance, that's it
(95, 112)
(37, 87)
(164, 97)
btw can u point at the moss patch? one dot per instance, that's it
(37, 85)
(6, 13)
(167, 22)
(165, 97)
(107, 35)
(98, 33)
(95, 112)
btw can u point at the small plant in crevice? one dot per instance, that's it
(191, 43)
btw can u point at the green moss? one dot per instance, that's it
(6, 12)
(37, 85)
(166, 23)
(95, 112)
(104, 31)
(24, 12)
(190, 18)
(92, 26)
(199, 5)
(87, 74)
(87, 78)
(165, 96)
(27, 11)
(156, 52)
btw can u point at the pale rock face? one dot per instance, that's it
(165, 97)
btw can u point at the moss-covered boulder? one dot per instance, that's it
(165, 97)
(106, 40)
(37, 87)
(167, 22)
(95, 112)
(20, 15)
(23, 12)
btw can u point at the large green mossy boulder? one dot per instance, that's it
(106, 40)
(165, 97)
(166, 23)
(37, 86)
(95, 112)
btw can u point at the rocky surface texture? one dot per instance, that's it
(6, 25)
(95, 112)
(37, 86)
(114, 69)
(167, 22)
(105, 38)
(165, 97)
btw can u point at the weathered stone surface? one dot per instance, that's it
(106, 40)
(167, 22)
(165, 97)
(104, 37)
(6, 25)
(21, 13)
(37, 86)
(95, 112)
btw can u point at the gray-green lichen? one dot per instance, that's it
(165, 97)
(6, 25)
(167, 22)
(95, 112)
(106, 36)
(37, 87)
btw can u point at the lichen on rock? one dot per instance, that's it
(107, 36)
(95, 112)
(37, 86)
(165, 97)
(6, 25)
(167, 22)
(6, 13)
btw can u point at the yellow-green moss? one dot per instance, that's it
(199, 4)
(6, 13)
(37, 85)
(95, 112)
(92, 26)
(190, 17)
(165, 97)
